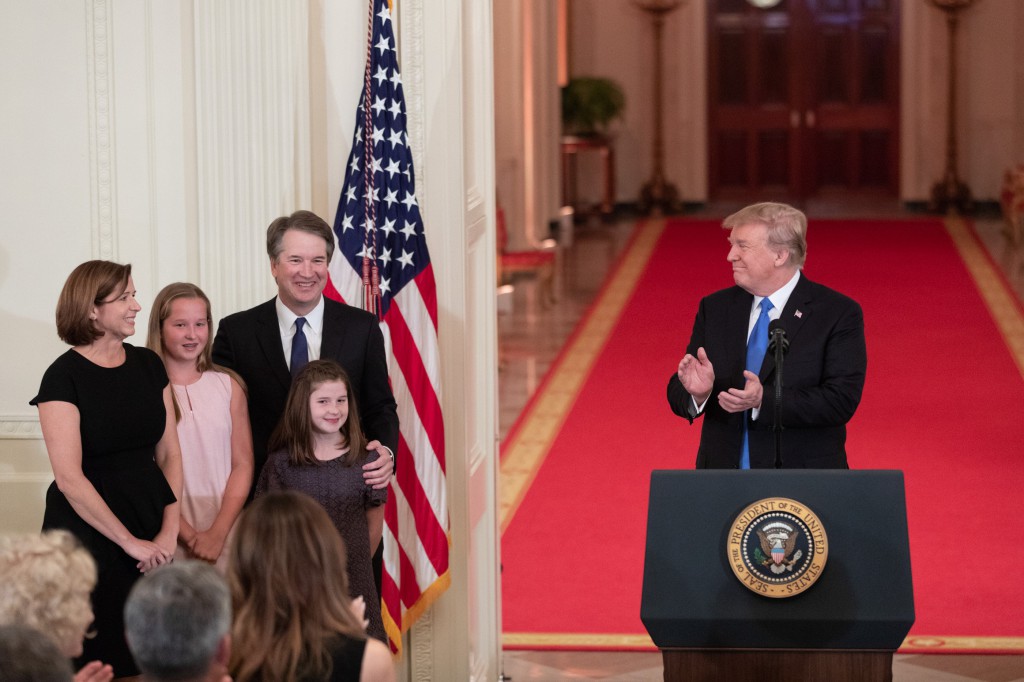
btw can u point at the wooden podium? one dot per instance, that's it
(777, 665)
(710, 626)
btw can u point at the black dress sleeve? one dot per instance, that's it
(153, 364)
(57, 384)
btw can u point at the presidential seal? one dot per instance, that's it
(777, 547)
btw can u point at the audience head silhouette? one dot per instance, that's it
(27, 655)
(45, 582)
(177, 621)
(288, 581)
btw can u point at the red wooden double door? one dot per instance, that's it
(803, 98)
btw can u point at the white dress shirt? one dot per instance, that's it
(313, 329)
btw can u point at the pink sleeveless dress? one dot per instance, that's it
(204, 433)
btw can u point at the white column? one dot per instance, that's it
(527, 117)
(446, 60)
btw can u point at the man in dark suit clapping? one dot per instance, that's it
(723, 379)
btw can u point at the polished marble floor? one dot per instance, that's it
(532, 332)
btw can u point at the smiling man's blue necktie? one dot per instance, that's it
(757, 344)
(300, 349)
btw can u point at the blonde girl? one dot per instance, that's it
(212, 420)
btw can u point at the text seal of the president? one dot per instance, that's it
(777, 547)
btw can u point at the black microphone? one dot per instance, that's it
(777, 337)
(778, 344)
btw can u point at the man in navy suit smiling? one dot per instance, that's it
(723, 378)
(261, 343)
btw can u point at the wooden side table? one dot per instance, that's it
(571, 146)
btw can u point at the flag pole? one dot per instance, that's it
(370, 273)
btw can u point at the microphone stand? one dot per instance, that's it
(779, 345)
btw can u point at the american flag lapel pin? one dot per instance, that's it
(798, 314)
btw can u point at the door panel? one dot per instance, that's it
(803, 98)
(854, 95)
(750, 94)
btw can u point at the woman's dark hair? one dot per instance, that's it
(88, 285)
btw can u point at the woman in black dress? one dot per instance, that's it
(107, 418)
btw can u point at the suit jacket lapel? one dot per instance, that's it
(738, 322)
(268, 336)
(333, 336)
(797, 309)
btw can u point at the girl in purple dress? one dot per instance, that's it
(318, 449)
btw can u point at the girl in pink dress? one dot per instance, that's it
(213, 423)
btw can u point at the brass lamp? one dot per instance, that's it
(951, 194)
(658, 195)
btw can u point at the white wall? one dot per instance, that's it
(615, 40)
(989, 96)
(992, 91)
(45, 189)
(93, 128)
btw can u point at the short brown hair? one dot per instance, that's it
(304, 221)
(88, 285)
(787, 227)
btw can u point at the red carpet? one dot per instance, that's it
(943, 402)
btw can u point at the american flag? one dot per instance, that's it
(378, 223)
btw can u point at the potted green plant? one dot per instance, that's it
(589, 105)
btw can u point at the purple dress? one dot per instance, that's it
(341, 490)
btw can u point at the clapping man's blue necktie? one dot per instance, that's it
(757, 344)
(300, 349)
